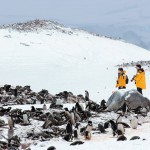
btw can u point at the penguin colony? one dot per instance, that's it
(71, 125)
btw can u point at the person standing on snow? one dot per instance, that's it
(122, 79)
(139, 79)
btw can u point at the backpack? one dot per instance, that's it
(127, 79)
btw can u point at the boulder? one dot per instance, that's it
(133, 98)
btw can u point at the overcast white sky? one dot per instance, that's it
(76, 12)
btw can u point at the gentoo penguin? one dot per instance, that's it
(101, 128)
(134, 122)
(51, 148)
(15, 92)
(117, 128)
(120, 129)
(44, 107)
(103, 104)
(125, 108)
(135, 138)
(122, 138)
(77, 130)
(120, 126)
(69, 129)
(69, 132)
(113, 127)
(78, 107)
(10, 133)
(72, 115)
(88, 130)
(25, 119)
(86, 95)
(76, 143)
(106, 125)
(33, 109)
(10, 130)
(10, 123)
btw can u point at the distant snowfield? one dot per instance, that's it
(57, 61)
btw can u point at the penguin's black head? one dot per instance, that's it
(106, 124)
(111, 122)
(66, 109)
(90, 123)
(103, 101)
(32, 108)
(77, 125)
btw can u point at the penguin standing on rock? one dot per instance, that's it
(33, 109)
(103, 105)
(125, 109)
(15, 92)
(88, 130)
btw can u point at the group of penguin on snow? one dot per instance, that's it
(118, 127)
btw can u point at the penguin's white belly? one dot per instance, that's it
(25, 118)
(121, 128)
(134, 123)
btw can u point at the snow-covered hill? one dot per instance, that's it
(47, 55)
(127, 19)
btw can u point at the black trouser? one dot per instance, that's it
(139, 90)
(121, 87)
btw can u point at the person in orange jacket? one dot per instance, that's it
(140, 79)
(122, 79)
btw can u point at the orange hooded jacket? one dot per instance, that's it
(140, 79)
(121, 82)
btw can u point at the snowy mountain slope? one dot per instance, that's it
(128, 19)
(47, 55)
